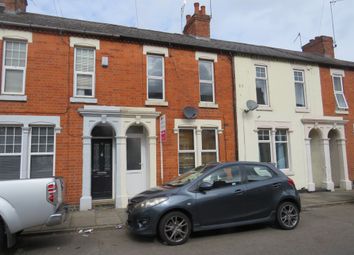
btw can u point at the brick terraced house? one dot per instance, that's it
(116, 110)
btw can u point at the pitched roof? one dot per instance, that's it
(39, 21)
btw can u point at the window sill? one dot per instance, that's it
(208, 105)
(264, 108)
(83, 100)
(156, 103)
(302, 110)
(346, 112)
(18, 98)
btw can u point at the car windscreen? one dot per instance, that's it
(189, 176)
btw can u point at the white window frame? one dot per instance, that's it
(267, 104)
(273, 142)
(216, 150)
(339, 92)
(13, 154)
(188, 151)
(30, 153)
(212, 82)
(267, 142)
(287, 147)
(155, 77)
(303, 86)
(85, 73)
(4, 68)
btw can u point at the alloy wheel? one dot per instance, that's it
(176, 229)
(289, 215)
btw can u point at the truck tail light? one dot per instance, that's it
(52, 192)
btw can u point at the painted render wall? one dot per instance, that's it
(282, 112)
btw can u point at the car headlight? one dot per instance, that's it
(151, 202)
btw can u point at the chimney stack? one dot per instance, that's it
(322, 45)
(199, 24)
(13, 6)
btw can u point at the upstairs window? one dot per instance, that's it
(155, 77)
(339, 92)
(206, 81)
(84, 78)
(14, 67)
(299, 88)
(262, 85)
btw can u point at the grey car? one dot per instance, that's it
(215, 196)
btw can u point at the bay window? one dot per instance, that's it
(186, 150)
(274, 148)
(10, 152)
(196, 147)
(42, 152)
(209, 146)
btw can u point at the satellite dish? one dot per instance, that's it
(190, 112)
(251, 105)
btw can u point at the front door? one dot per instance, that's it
(101, 185)
(136, 174)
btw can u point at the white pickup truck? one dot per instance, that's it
(27, 203)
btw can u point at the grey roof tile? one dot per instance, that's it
(39, 21)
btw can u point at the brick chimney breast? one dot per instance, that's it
(322, 45)
(199, 24)
(13, 6)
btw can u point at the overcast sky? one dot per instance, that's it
(274, 23)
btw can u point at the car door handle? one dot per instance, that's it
(276, 185)
(239, 192)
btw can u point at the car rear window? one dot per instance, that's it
(256, 173)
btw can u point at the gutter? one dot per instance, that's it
(234, 103)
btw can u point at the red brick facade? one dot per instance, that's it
(329, 108)
(49, 86)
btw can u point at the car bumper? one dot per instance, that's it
(142, 222)
(58, 217)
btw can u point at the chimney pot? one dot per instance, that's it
(196, 8)
(202, 10)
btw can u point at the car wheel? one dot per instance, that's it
(175, 228)
(288, 215)
(2, 236)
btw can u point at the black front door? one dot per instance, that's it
(101, 185)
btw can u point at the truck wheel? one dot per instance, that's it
(175, 228)
(2, 236)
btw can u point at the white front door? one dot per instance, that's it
(136, 166)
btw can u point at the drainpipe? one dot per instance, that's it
(232, 60)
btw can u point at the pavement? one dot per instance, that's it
(325, 230)
(105, 218)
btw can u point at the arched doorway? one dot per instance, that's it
(317, 158)
(336, 164)
(102, 162)
(137, 160)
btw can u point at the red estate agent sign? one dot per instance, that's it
(163, 135)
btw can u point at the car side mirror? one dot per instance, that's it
(204, 186)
